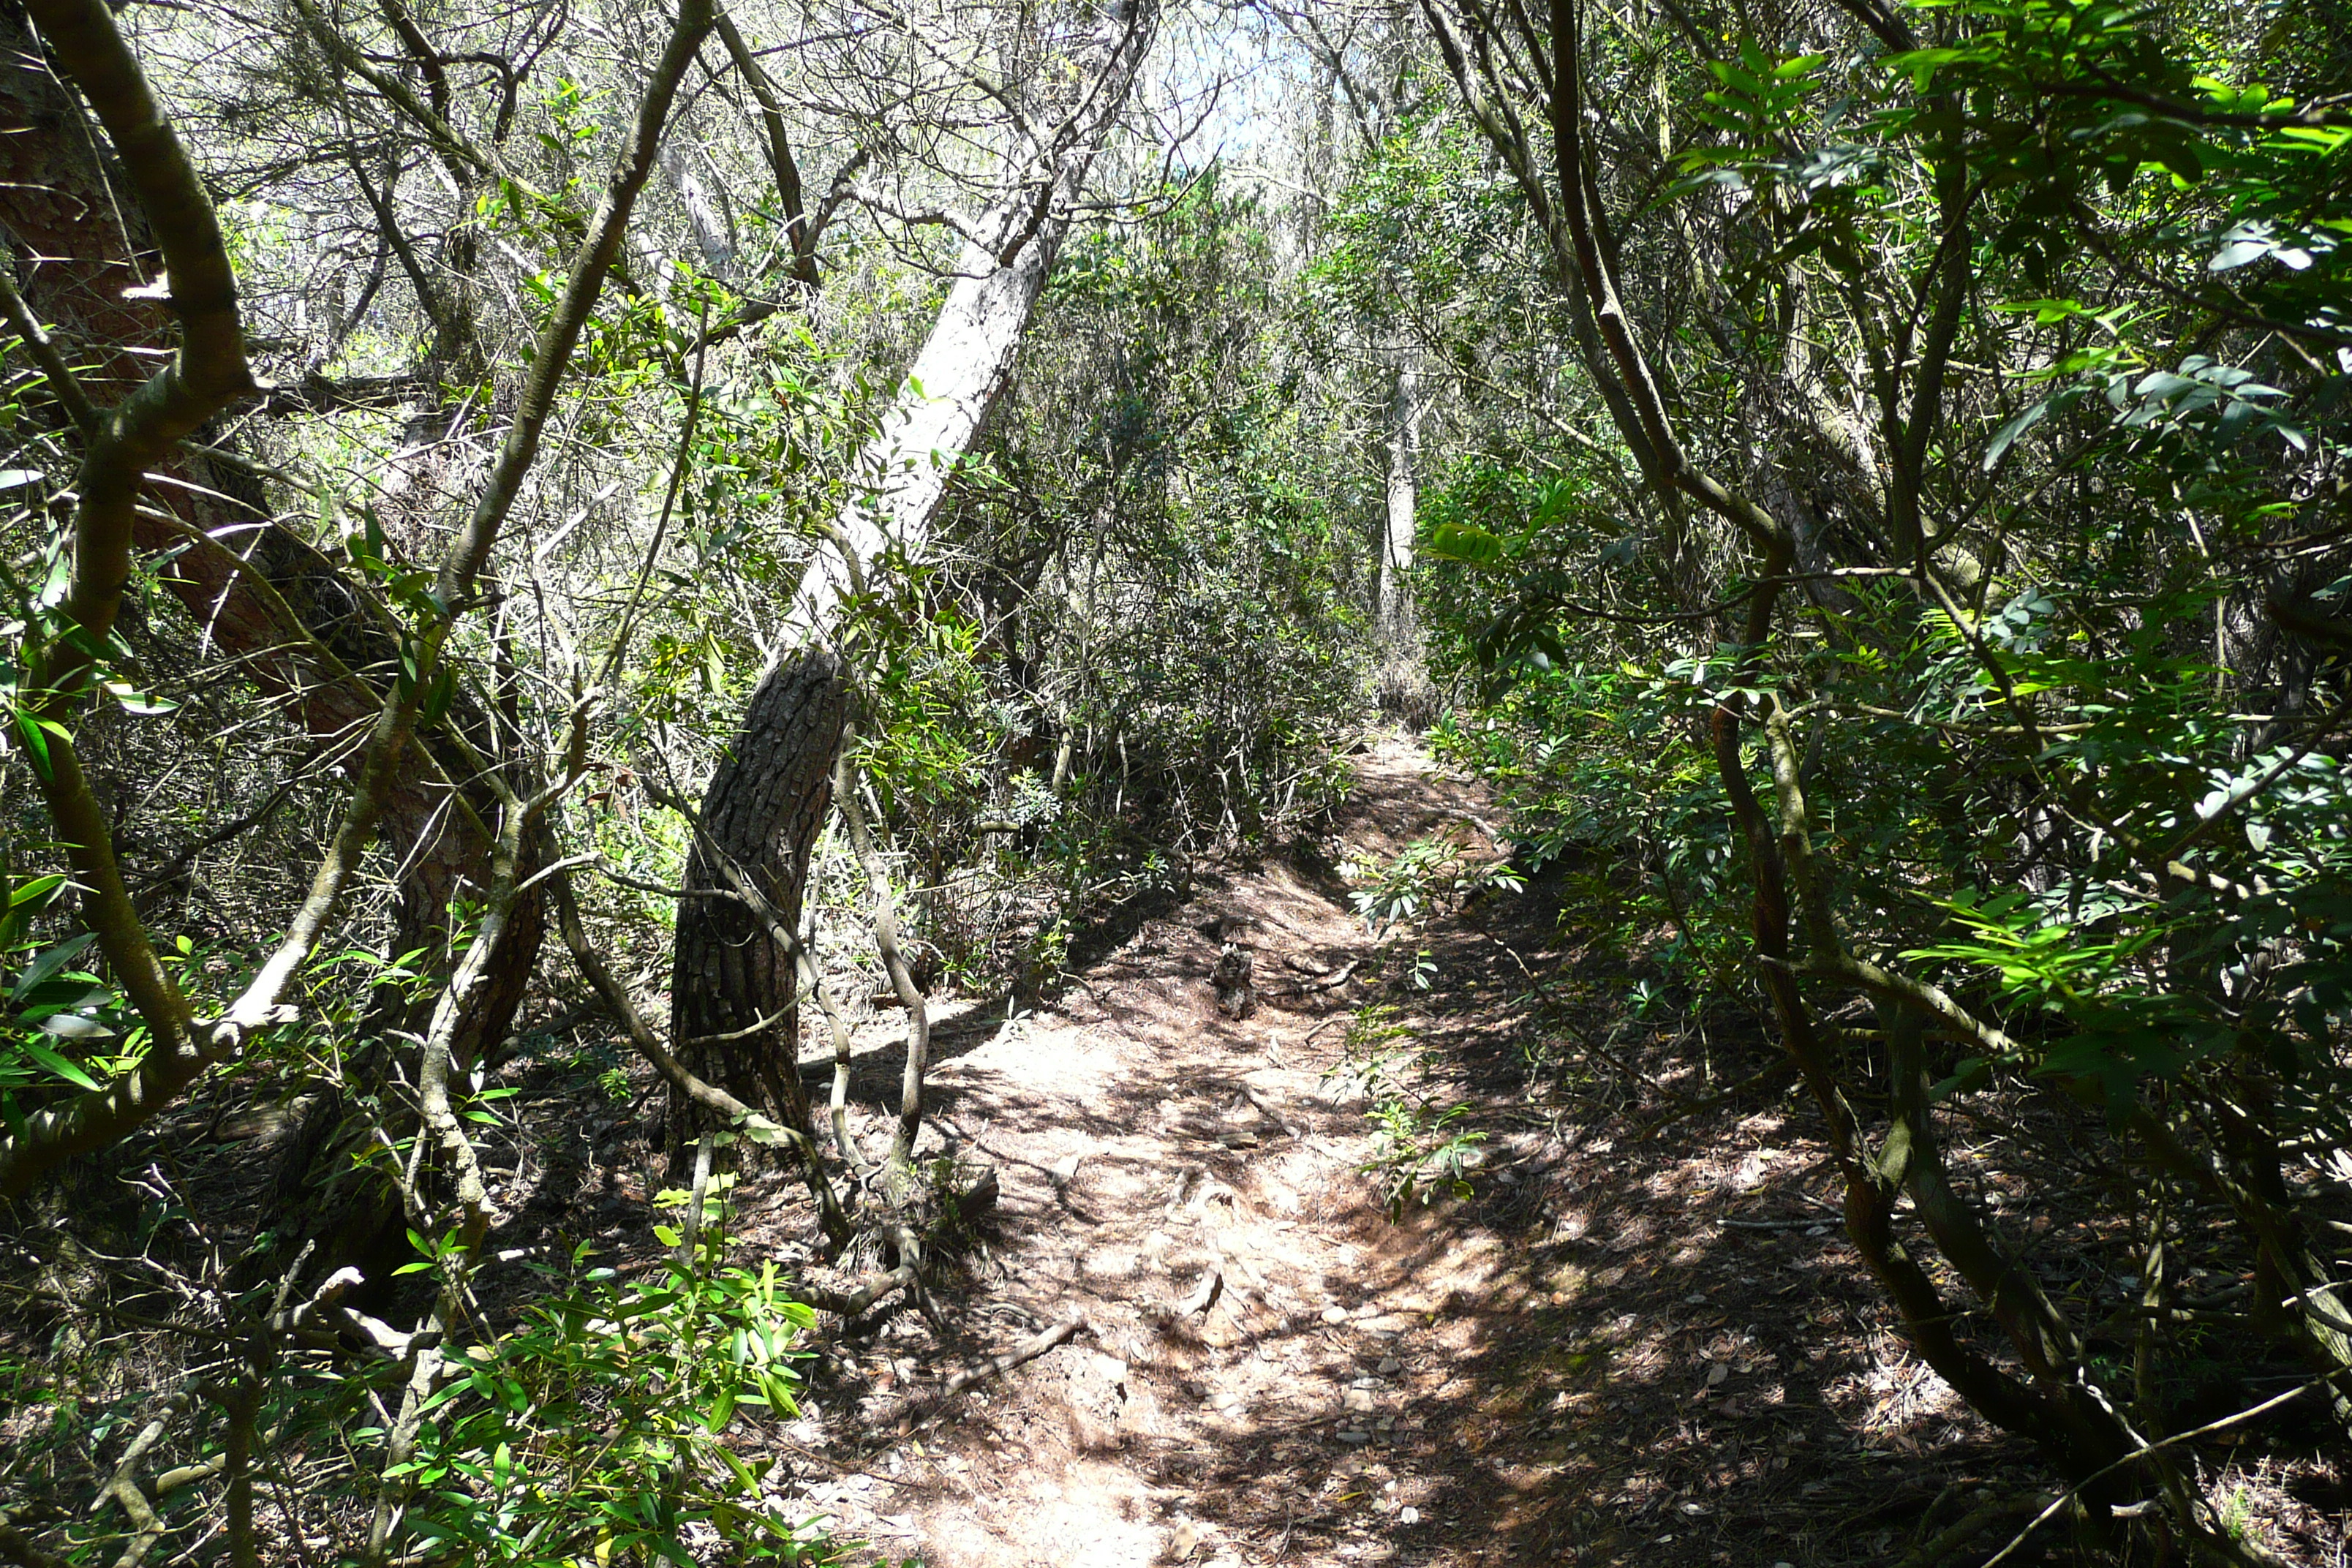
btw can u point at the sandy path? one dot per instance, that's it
(1152, 1153)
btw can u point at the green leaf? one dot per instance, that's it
(138, 703)
(439, 697)
(58, 1065)
(2006, 436)
(48, 964)
(37, 746)
(1465, 542)
(39, 887)
(1974, 1073)
(743, 1476)
(722, 1411)
(762, 1131)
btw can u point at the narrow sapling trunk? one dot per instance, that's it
(1405, 690)
(894, 964)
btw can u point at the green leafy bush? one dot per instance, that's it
(606, 1425)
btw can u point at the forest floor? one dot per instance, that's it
(1640, 1338)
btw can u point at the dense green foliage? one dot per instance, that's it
(1991, 676)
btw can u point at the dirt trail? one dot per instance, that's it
(1152, 1152)
(1579, 1363)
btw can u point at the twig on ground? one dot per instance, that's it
(850, 1303)
(1778, 1066)
(1974, 1523)
(1326, 983)
(1029, 1349)
(830, 1463)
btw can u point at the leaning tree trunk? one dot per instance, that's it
(735, 992)
(765, 803)
(306, 633)
(768, 797)
(300, 628)
(904, 473)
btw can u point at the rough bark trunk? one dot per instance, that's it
(732, 978)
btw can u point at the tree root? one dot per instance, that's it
(846, 1304)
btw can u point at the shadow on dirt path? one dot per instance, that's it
(1620, 1349)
